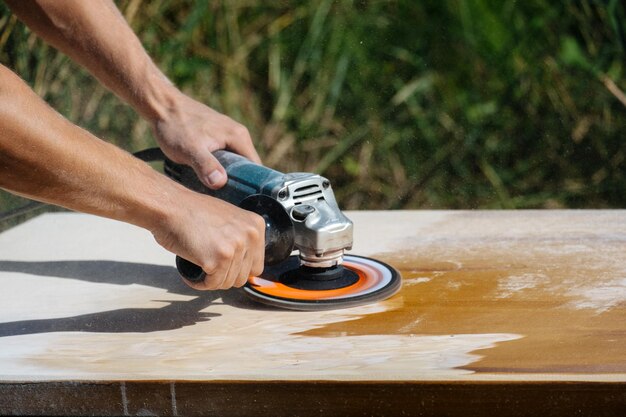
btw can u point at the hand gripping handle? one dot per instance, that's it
(279, 235)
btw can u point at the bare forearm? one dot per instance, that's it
(43, 156)
(95, 34)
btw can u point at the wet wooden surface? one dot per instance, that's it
(511, 311)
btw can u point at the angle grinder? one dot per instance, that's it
(301, 214)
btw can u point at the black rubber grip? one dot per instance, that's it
(189, 270)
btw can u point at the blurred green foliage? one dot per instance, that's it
(402, 104)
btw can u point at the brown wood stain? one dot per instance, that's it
(568, 307)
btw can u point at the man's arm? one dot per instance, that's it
(45, 157)
(95, 34)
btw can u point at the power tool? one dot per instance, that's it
(301, 214)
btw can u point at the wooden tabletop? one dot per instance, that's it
(515, 311)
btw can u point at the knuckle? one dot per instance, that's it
(257, 228)
(238, 244)
(252, 234)
(209, 267)
(260, 223)
(224, 252)
(240, 131)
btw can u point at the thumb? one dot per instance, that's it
(210, 172)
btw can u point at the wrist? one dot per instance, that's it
(159, 97)
(156, 204)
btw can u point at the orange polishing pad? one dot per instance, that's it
(280, 285)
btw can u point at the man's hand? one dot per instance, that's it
(226, 241)
(45, 157)
(188, 131)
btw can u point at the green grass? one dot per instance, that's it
(402, 104)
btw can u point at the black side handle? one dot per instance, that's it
(189, 270)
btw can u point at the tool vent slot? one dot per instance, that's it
(308, 192)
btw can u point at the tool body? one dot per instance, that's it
(302, 215)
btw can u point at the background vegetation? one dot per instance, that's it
(402, 104)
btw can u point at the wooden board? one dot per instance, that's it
(518, 312)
